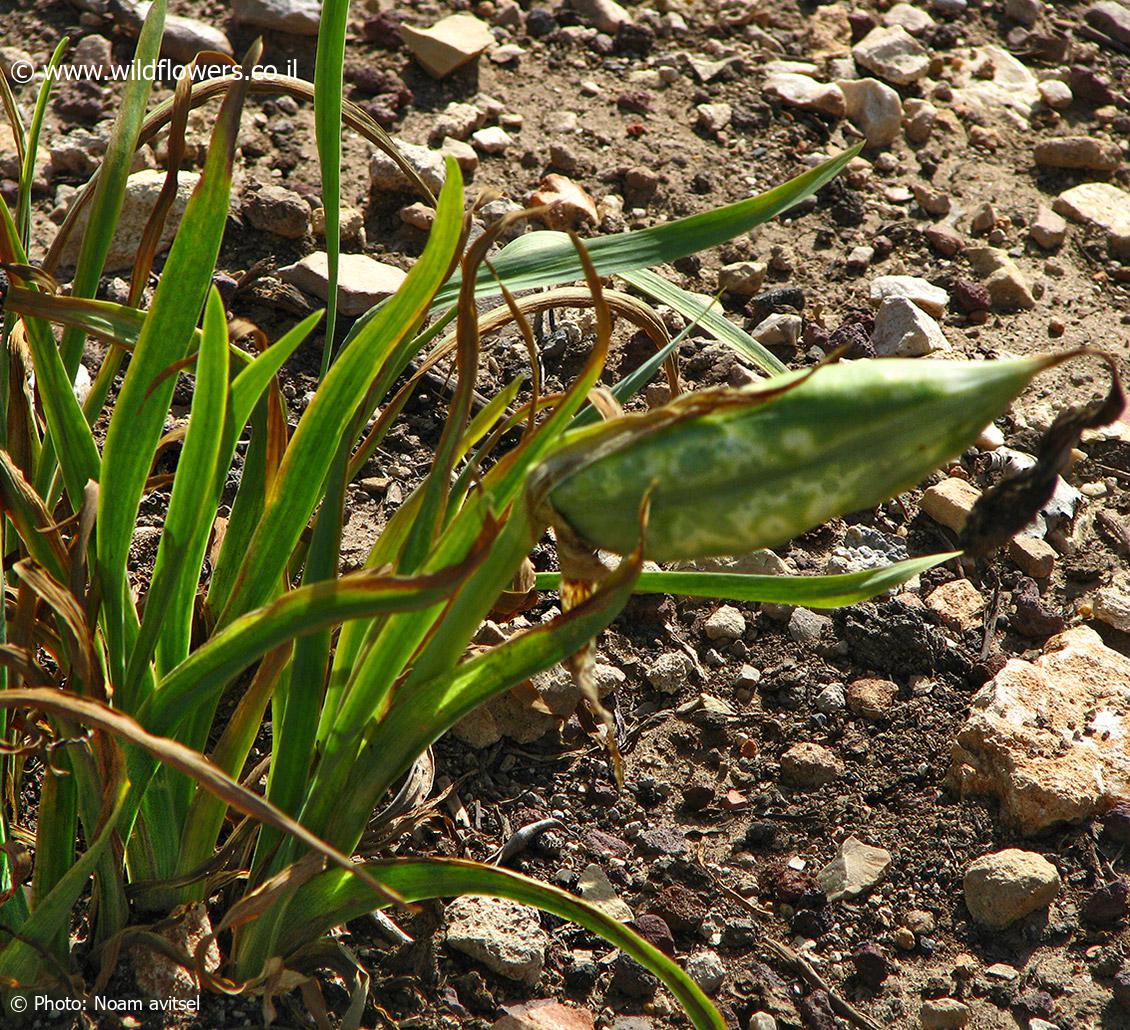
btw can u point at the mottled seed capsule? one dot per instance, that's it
(731, 471)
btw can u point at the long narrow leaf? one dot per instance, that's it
(806, 591)
(331, 898)
(138, 417)
(328, 84)
(549, 259)
(109, 192)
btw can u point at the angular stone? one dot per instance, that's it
(456, 121)
(950, 502)
(871, 697)
(1112, 606)
(1085, 152)
(463, 153)
(810, 765)
(157, 975)
(726, 624)
(1111, 17)
(902, 329)
(604, 15)
(449, 44)
(1048, 738)
(1102, 205)
(806, 93)
(779, 330)
(1011, 89)
(298, 17)
(1034, 556)
(1008, 885)
(493, 140)
(184, 38)
(593, 885)
(873, 108)
(714, 117)
(912, 18)
(1048, 230)
(362, 282)
(1056, 94)
(142, 190)
(958, 604)
(707, 970)
(919, 119)
(504, 936)
(1007, 285)
(566, 203)
(893, 54)
(544, 1015)
(829, 31)
(854, 871)
(742, 277)
(279, 211)
(931, 299)
(386, 174)
(669, 672)
(944, 1014)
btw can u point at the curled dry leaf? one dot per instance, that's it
(565, 203)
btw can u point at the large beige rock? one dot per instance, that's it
(873, 108)
(1050, 738)
(142, 190)
(1102, 205)
(449, 44)
(992, 81)
(362, 282)
(1008, 885)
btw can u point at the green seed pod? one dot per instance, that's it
(729, 471)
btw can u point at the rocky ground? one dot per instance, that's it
(925, 799)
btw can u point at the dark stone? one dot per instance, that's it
(816, 1011)
(792, 886)
(969, 297)
(702, 183)
(1032, 1005)
(662, 841)
(697, 796)
(790, 298)
(648, 792)
(1121, 990)
(634, 39)
(373, 81)
(1031, 618)
(740, 933)
(655, 931)
(383, 30)
(1116, 823)
(540, 22)
(894, 638)
(630, 979)
(566, 878)
(581, 977)
(855, 335)
(601, 843)
(1088, 85)
(80, 102)
(811, 923)
(1108, 905)
(637, 101)
(862, 22)
(760, 835)
(871, 965)
(679, 907)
